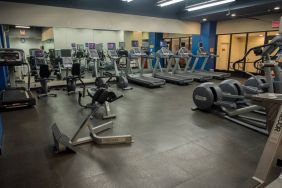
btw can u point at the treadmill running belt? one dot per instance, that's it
(149, 79)
(12, 96)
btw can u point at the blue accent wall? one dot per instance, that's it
(154, 42)
(208, 37)
(195, 41)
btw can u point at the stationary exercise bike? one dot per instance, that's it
(115, 57)
(44, 78)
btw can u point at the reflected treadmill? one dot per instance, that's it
(168, 56)
(183, 53)
(138, 78)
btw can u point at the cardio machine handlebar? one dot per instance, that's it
(245, 56)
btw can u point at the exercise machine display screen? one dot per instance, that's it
(92, 46)
(8, 56)
(163, 44)
(135, 43)
(57, 53)
(65, 53)
(145, 44)
(121, 45)
(111, 46)
(39, 53)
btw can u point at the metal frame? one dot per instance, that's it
(269, 166)
(63, 142)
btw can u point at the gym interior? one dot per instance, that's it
(141, 93)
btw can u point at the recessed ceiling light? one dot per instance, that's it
(261, 35)
(276, 8)
(170, 2)
(22, 27)
(233, 15)
(277, 34)
(204, 19)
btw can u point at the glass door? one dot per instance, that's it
(254, 39)
(223, 46)
(175, 45)
(238, 49)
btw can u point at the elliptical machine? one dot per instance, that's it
(75, 69)
(209, 97)
(267, 83)
(116, 56)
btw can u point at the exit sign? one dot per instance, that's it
(275, 24)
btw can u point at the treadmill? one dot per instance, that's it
(94, 57)
(183, 53)
(203, 54)
(15, 97)
(139, 78)
(167, 55)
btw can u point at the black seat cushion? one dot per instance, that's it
(44, 71)
(75, 71)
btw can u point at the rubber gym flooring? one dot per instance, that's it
(174, 146)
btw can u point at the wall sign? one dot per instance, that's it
(275, 24)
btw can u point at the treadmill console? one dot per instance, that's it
(164, 53)
(39, 57)
(122, 53)
(113, 54)
(66, 58)
(137, 52)
(183, 52)
(38, 54)
(93, 54)
(11, 57)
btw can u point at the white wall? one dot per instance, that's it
(47, 16)
(63, 37)
(48, 45)
(102, 36)
(29, 43)
(247, 25)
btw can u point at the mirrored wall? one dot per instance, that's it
(49, 41)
